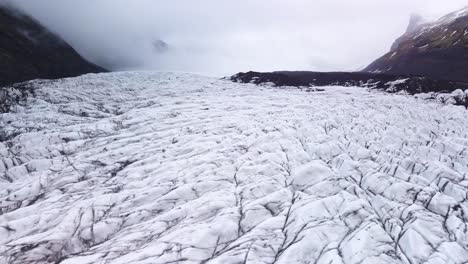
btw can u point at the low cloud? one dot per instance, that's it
(221, 37)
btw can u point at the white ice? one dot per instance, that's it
(177, 168)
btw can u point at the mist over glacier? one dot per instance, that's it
(223, 37)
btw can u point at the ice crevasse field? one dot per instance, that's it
(139, 167)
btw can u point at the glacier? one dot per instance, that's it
(146, 167)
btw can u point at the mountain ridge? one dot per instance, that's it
(438, 50)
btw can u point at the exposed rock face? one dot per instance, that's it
(29, 51)
(436, 50)
(390, 83)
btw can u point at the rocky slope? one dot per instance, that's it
(29, 51)
(437, 50)
(177, 168)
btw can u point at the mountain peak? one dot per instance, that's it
(416, 21)
(438, 50)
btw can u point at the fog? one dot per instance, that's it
(221, 37)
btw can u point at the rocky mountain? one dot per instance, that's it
(29, 51)
(429, 60)
(438, 50)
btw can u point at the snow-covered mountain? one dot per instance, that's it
(438, 50)
(177, 168)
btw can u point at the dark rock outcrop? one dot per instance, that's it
(436, 50)
(29, 51)
(390, 83)
(160, 46)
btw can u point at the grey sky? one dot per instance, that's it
(226, 36)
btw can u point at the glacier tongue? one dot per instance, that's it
(177, 168)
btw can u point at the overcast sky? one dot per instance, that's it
(222, 37)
